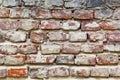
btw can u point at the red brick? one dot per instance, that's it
(85, 59)
(27, 48)
(60, 71)
(17, 72)
(83, 14)
(110, 24)
(38, 36)
(70, 48)
(46, 59)
(92, 47)
(113, 36)
(4, 12)
(107, 59)
(50, 24)
(8, 49)
(19, 13)
(79, 71)
(97, 36)
(62, 14)
(40, 13)
(90, 26)
(58, 36)
(3, 73)
(99, 72)
(14, 59)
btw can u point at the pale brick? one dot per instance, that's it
(62, 14)
(40, 13)
(100, 72)
(65, 59)
(14, 59)
(92, 47)
(114, 36)
(116, 14)
(17, 72)
(4, 12)
(77, 36)
(19, 13)
(83, 14)
(50, 24)
(113, 47)
(38, 72)
(2, 58)
(113, 3)
(90, 26)
(45, 59)
(16, 36)
(58, 36)
(71, 48)
(115, 71)
(85, 59)
(79, 71)
(38, 36)
(3, 73)
(60, 71)
(27, 48)
(107, 59)
(50, 48)
(97, 36)
(70, 25)
(8, 49)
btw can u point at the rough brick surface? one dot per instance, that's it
(59, 39)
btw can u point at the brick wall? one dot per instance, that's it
(59, 39)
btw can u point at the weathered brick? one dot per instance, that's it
(16, 36)
(50, 24)
(79, 71)
(95, 3)
(77, 36)
(115, 71)
(38, 72)
(103, 13)
(71, 48)
(58, 36)
(8, 49)
(50, 48)
(17, 72)
(9, 3)
(107, 59)
(116, 14)
(113, 3)
(110, 24)
(113, 36)
(2, 58)
(33, 24)
(60, 71)
(85, 59)
(47, 59)
(14, 59)
(40, 13)
(19, 13)
(62, 14)
(3, 73)
(4, 12)
(29, 2)
(70, 25)
(83, 14)
(27, 48)
(97, 36)
(113, 47)
(92, 47)
(8, 24)
(75, 3)
(53, 3)
(65, 59)
(38, 36)
(90, 26)
(99, 72)
(2, 37)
